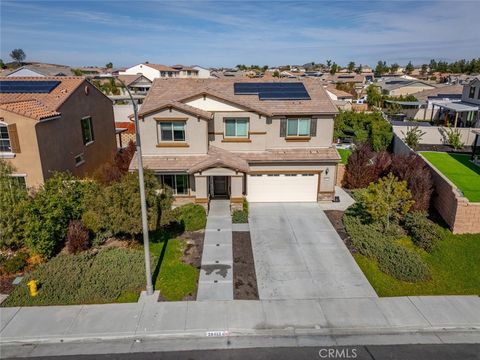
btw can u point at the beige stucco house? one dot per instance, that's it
(224, 138)
(52, 124)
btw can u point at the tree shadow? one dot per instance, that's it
(163, 235)
(465, 160)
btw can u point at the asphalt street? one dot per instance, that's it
(374, 352)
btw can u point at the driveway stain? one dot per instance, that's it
(219, 269)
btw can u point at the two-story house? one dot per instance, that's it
(463, 113)
(225, 138)
(154, 71)
(54, 124)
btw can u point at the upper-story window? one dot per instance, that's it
(236, 127)
(172, 131)
(87, 130)
(298, 127)
(471, 95)
(5, 145)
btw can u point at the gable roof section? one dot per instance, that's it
(217, 157)
(39, 106)
(176, 105)
(180, 90)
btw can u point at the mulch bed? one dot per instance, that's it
(6, 286)
(244, 278)
(444, 148)
(335, 217)
(192, 255)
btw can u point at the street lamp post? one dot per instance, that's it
(143, 204)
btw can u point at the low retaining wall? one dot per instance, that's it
(458, 212)
(461, 215)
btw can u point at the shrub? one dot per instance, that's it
(46, 217)
(115, 208)
(454, 138)
(77, 237)
(386, 201)
(192, 216)
(13, 264)
(424, 233)
(413, 170)
(240, 217)
(371, 241)
(365, 166)
(88, 277)
(413, 136)
(402, 264)
(115, 169)
(12, 199)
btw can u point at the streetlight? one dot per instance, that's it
(143, 204)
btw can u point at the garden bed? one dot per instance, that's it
(444, 148)
(244, 277)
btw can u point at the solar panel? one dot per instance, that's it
(273, 90)
(25, 86)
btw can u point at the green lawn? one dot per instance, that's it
(171, 275)
(344, 153)
(458, 169)
(455, 268)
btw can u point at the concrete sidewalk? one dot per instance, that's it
(216, 273)
(242, 317)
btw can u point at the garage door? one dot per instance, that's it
(282, 187)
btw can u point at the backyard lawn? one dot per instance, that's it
(344, 153)
(458, 169)
(454, 265)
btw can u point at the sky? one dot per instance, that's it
(227, 33)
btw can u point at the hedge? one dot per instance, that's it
(192, 216)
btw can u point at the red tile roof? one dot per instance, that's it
(40, 105)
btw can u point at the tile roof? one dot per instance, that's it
(180, 90)
(40, 105)
(235, 160)
(129, 125)
(129, 79)
(450, 89)
(338, 93)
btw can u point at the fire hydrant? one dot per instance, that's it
(32, 286)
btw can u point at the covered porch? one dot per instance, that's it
(456, 114)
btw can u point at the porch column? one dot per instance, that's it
(236, 188)
(201, 189)
(456, 119)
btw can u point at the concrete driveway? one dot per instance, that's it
(299, 255)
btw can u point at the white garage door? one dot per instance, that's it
(282, 188)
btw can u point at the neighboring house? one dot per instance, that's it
(223, 138)
(40, 70)
(203, 73)
(464, 113)
(124, 124)
(423, 108)
(400, 86)
(155, 71)
(52, 124)
(137, 84)
(336, 94)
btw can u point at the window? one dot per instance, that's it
(273, 174)
(307, 174)
(172, 131)
(5, 145)
(471, 95)
(290, 174)
(87, 130)
(298, 127)
(19, 180)
(177, 182)
(79, 159)
(236, 127)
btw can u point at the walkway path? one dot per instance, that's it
(216, 274)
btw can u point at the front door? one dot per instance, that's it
(220, 186)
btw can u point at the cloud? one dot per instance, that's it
(227, 33)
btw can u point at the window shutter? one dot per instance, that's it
(13, 135)
(313, 127)
(283, 127)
